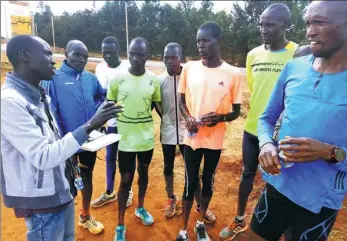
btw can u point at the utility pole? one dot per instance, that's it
(53, 34)
(126, 29)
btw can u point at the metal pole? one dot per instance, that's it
(6, 22)
(53, 34)
(126, 29)
(33, 30)
(36, 33)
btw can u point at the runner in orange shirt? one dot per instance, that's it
(208, 88)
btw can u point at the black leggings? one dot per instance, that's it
(250, 153)
(169, 152)
(192, 161)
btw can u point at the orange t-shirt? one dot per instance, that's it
(210, 90)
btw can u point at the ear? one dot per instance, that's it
(23, 55)
(66, 54)
(289, 28)
(288, 25)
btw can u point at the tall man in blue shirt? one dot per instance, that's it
(75, 95)
(306, 180)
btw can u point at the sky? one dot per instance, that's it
(58, 7)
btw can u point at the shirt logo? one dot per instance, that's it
(151, 82)
(221, 83)
(69, 83)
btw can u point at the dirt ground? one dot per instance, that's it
(223, 203)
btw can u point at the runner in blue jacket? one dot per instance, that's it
(75, 96)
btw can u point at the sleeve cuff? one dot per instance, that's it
(345, 149)
(80, 135)
(264, 139)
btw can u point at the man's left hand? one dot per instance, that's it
(304, 149)
(211, 119)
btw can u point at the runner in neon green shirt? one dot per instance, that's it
(263, 66)
(135, 124)
(136, 90)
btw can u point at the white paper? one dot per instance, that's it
(95, 135)
(101, 142)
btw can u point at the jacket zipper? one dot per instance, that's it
(80, 83)
(175, 94)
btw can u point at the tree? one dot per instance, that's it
(162, 23)
(148, 26)
(43, 22)
(206, 10)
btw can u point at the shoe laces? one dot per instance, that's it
(171, 203)
(201, 231)
(143, 212)
(104, 197)
(235, 224)
(91, 223)
(120, 234)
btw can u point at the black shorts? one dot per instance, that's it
(274, 213)
(127, 160)
(86, 159)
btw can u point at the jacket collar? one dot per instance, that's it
(30, 92)
(167, 73)
(67, 69)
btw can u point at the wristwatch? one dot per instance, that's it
(225, 118)
(337, 155)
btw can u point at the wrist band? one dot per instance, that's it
(265, 144)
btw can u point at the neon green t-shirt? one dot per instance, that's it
(263, 68)
(135, 124)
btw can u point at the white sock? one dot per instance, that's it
(198, 223)
(183, 233)
(240, 218)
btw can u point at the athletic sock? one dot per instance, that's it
(183, 233)
(240, 218)
(84, 214)
(198, 223)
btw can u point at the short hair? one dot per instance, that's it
(175, 45)
(141, 40)
(73, 43)
(16, 44)
(111, 40)
(281, 10)
(214, 28)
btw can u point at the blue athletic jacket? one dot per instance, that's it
(75, 97)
